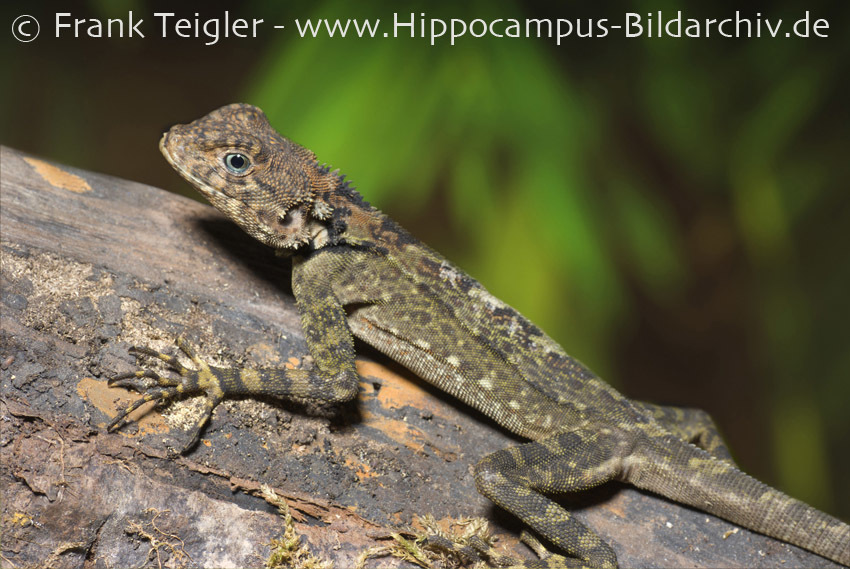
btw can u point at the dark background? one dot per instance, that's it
(675, 212)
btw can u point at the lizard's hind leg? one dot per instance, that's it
(516, 478)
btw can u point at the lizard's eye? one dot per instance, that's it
(236, 163)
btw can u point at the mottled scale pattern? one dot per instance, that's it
(357, 273)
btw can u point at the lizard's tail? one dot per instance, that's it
(721, 489)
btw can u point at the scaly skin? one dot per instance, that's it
(357, 273)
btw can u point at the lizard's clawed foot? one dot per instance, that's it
(163, 388)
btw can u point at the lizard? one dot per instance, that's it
(357, 273)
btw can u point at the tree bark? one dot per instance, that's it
(92, 265)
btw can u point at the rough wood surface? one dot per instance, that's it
(92, 265)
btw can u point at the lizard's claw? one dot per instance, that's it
(135, 380)
(155, 394)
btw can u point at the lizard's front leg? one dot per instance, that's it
(333, 379)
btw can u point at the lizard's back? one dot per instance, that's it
(505, 366)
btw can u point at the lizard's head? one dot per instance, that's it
(264, 182)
